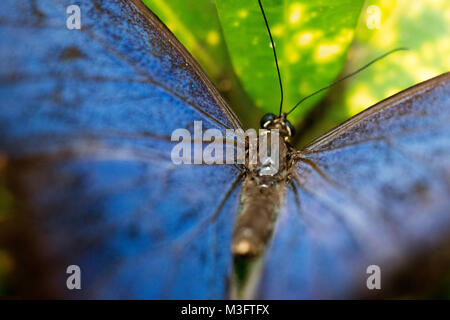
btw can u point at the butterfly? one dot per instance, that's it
(86, 120)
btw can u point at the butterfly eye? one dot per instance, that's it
(266, 119)
(290, 128)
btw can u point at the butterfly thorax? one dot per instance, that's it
(261, 199)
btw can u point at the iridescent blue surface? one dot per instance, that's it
(374, 191)
(85, 123)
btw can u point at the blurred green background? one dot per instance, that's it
(317, 41)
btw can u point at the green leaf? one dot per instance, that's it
(311, 38)
(422, 26)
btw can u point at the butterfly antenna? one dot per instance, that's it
(345, 77)
(274, 54)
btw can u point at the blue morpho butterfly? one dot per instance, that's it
(86, 118)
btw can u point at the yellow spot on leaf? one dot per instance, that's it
(359, 100)
(385, 38)
(428, 51)
(213, 38)
(278, 30)
(304, 38)
(443, 46)
(415, 8)
(387, 3)
(295, 13)
(326, 52)
(424, 73)
(292, 55)
(411, 59)
(243, 14)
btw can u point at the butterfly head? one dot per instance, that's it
(271, 121)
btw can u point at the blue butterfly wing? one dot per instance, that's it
(85, 122)
(374, 191)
